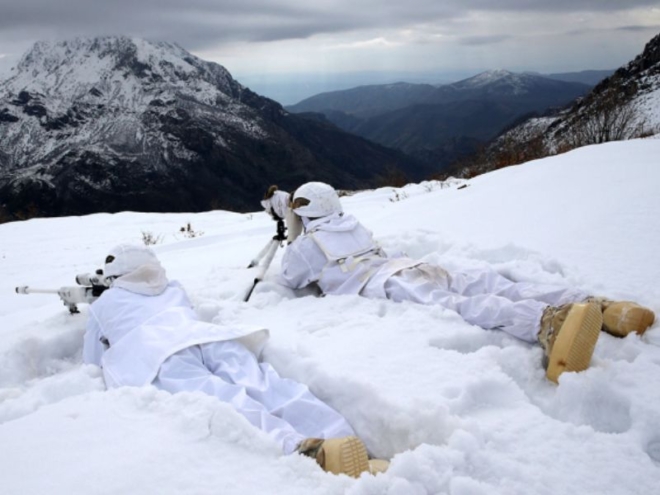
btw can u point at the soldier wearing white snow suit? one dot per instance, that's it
(340, 256)
(143, 330)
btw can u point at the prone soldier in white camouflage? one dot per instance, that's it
(339, 255)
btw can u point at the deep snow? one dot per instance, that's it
(460, 410)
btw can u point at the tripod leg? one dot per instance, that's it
(269, 259)
(261, 254)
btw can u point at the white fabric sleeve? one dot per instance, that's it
(93, 348)
(296, 271)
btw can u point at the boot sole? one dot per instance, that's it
(378, 466)
(575, 343)
(634, 319)
(345, 456)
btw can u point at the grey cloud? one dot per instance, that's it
(483, 40)
(195, 24)
(566, 6)
(199, 24)
(637, 29)
(633, 29)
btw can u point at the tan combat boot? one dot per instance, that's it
(568, 335)
(623, 317)
(346, 455)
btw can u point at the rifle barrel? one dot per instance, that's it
(24, 289)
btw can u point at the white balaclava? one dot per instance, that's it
(135, 268)
(126, 258)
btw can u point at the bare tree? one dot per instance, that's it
(612, 117)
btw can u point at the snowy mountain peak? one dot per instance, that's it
(80, 107)
(498, 81)
(489, 77)
(112, 65)
(504, 82)
(116, 123)
(115, 52)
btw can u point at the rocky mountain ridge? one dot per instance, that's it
(624, 105)
(437, 124)
(494, 85)
(115, 123)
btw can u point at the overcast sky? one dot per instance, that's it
(256, 37)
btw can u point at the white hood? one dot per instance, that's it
(148, 279)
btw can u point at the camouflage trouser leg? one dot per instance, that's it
(520, 319)
(551, 321)
(473, 281)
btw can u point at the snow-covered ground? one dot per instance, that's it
(459, 409)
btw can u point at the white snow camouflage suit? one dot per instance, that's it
(144, 331)
(341, 257)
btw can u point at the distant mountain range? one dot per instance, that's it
(438, 123)
(590, 77)
(113, 123)
(624, 105)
